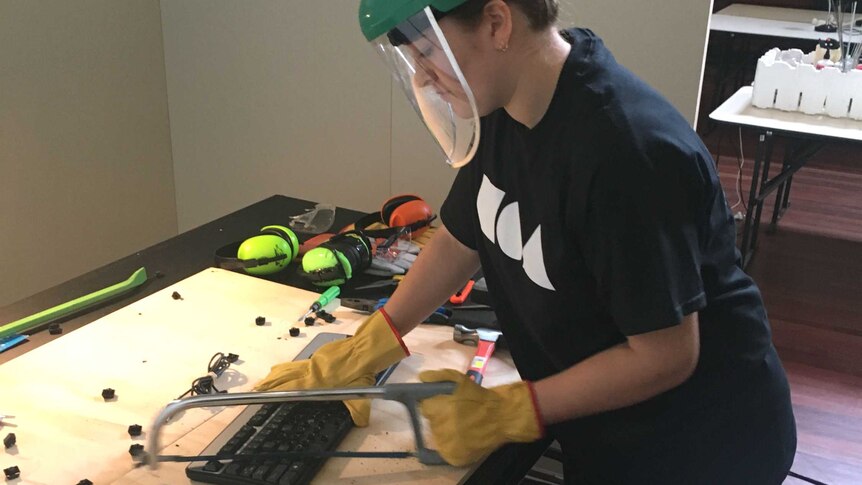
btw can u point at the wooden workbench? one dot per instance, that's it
(151, 350)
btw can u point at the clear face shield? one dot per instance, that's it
(422, 63)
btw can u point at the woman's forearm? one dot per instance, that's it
(622, 375)
(441, 269)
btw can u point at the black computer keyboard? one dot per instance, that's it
(272, 428)
(311, 426)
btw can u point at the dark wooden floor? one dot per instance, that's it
(828, 409)
(810, 269)
(810, 273)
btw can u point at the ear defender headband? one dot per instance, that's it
(401, 213)
(338, 259)
(267, 253)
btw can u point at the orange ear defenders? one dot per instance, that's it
(401, 213)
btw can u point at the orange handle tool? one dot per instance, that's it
(480, 360)
(461, 296)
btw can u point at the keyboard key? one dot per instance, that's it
(258, 419)
(213, 466)
(261, 472)
(247, 471)
(245, 432)
(253, 446)
(231, 446)
(232, 469)
(293, 474)
(276, 472)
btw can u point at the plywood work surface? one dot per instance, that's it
(150, 351)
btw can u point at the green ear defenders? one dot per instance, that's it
(338, 259)
(266, 253)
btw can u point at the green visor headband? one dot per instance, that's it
(377, 17)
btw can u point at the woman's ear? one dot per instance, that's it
(497, 22)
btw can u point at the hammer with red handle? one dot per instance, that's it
(485, 339)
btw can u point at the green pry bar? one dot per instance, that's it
(63, 309)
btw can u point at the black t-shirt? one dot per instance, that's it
(606, 220)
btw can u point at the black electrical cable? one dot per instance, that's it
(738, 182)
(804, 478)
(206, 384)
(739, 162)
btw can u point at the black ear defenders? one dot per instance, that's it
(401, 213)
(266, 253)
(338, 259)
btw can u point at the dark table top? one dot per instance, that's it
(174, 260)
(191, 252)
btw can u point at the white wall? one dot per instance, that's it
(264, 97)
(85, 156)
(286, 97)
(273, 98)
(663, 42)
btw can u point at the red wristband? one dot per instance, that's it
(539, 419)
(395, 331)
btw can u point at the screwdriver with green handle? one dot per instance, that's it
(324, 299)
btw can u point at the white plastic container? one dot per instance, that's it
(788, 80)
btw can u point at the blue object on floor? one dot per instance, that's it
(11, 341)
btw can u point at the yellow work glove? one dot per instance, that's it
(473, 421)
(350, 362)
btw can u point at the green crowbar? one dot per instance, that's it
(63, 309)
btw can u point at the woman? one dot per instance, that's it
(600, 225)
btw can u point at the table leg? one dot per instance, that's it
(785, 201)
(795, 158)
(783, 189)
(746, 249)
(764, 178)
(776, 211)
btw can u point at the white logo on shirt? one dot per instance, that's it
(503, 227)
